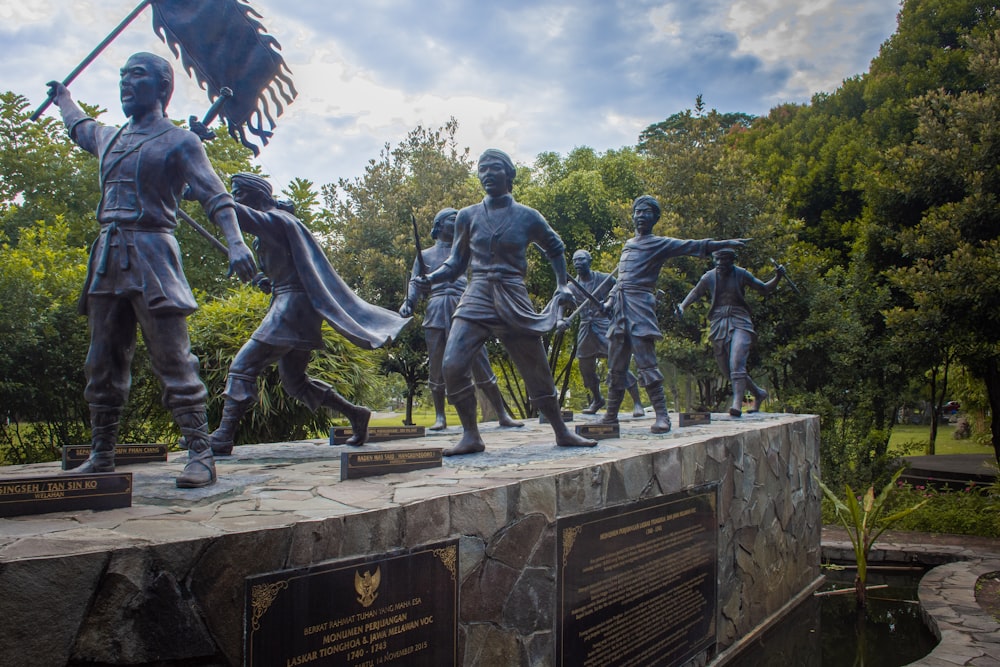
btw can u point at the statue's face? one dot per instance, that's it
(447, 233)
(644, 217)
(140, 86)
(724, 262)
(493, 177)
(581, 263)
(248, 196)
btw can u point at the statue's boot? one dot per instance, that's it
(222, 438)
(103, 435)
(759, 395)
(596, 400)
(358, 415)
(549, 406)
(440, 421)
(199, 470)
(471, 442)
(739, 390)
(637, 409)
(615, 397)
(492, 393)
(659, 403)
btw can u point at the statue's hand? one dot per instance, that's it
(199, 128)
(562, 325)
(263, 283)
(241, 262)
(564, 296)
(679, 310)
(406, 310)
(780, 269)
(57, 91)
(609, 307)
(422, 282)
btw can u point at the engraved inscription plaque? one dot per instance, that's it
(695, 418)
(340, 434)
(74, 455)
(598, 431)
(384, 461)
(65, 493)
(395, 610)
(637, 583)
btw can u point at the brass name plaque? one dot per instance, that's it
(695, 418)
(368, 463)
(637, 583)
(340, 434)
(74, 455)
(598, 431)
(65, 493)
(391, 611)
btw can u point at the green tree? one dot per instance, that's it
(366, 222)
(946, 180)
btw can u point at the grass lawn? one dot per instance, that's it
(945, 443)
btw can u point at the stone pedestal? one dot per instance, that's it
(164, 580)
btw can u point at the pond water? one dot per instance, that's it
(827, 631)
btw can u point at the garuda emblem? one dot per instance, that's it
(367, 586)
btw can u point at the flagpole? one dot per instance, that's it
(93, 54)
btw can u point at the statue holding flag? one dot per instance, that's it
(134, 275)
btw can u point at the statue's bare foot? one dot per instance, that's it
(359, 425)
(571, 439)
(469, 444)
(508, 421)
(440, 423)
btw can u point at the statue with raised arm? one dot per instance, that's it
(305, 292)
(592, 332)
(730, 327)
(442, 299)
(632, 304)
(134, 275)
(492, 239)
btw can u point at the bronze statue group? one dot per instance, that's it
(473, 278)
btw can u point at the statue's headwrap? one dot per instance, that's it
(439, 219)
(724, 252)
(164, 72)
(508, 164)
(582, 253)
(253, 182)
(648, 199)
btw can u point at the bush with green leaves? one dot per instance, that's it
(218, 330)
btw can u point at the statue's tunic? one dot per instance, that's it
(592, 334)
(443, 297)
(724, 318)
(143, 173)
(307, 290)
(494, 242)
(634, 310)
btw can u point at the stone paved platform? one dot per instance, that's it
(277, 485)
(968, 636)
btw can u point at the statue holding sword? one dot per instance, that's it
(589, 288)
(730, 327)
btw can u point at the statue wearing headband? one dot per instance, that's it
(492, 239)
(305, 292)
(134, 276)
(442, 299)
(632, 303)
(730, 327)
(592, 333)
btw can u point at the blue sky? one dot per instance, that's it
(522, 76)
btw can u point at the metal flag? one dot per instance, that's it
(223, 45)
